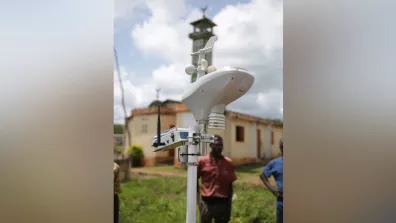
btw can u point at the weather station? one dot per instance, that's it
(206, 98)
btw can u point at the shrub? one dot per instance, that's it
(136, 151)
(118, 149)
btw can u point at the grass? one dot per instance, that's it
(165, 168)
(244, 171)
(163, 199)
(249, 170)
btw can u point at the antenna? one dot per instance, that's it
(204, 10)
(158, 143)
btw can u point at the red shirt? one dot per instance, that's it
(216, 177)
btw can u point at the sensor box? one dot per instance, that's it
(172, 138)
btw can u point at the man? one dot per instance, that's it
(117, 190)
(217, 175)
(275, 169)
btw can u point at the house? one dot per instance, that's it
(247, 139)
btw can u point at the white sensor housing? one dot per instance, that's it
(190, 69)
(172, 138)
(215, 91)
(211, 69)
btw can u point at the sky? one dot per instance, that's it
(153, 48)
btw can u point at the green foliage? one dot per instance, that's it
(118, 129)
(163, 199)
(136, 151)
(119, 149)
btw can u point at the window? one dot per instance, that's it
(240, 134)
(144, 128)
(272, 138)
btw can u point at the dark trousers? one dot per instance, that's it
(217, 209)
(116, 207)
(279, 211)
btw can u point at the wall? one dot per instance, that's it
(241, 152)
(264, 136)
(246, 152)
(145, 138)
(266, 146)
(278, 133)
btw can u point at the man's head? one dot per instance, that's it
(281, 145)
(217, 146)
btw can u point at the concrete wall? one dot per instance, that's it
(278, 133)
(145, 138)
(264, 136)
(246, 151)
(267, 146)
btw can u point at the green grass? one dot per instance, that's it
(241, 171)
(249, 170)
(166, 168)
(162, 199)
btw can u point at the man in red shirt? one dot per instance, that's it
(217, 175)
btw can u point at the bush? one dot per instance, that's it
(118, 149)
(136, 153)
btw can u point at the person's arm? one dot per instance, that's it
(265, 174)
(117, 184)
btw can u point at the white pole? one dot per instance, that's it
(192, 160)
(191, 179)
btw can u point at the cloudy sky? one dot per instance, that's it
(151, 38)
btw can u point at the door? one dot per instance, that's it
(258, 136)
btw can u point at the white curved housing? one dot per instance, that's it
(218, 88)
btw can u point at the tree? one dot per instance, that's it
(118, 129)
